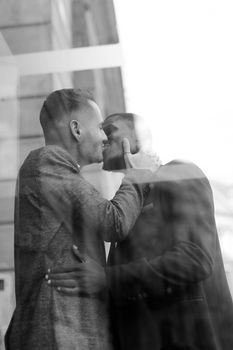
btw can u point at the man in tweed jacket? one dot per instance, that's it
(54, 209)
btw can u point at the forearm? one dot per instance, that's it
(121, 213)
(179, 267)
(112, 219)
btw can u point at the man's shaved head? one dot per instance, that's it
(72, 120)
(58, 108)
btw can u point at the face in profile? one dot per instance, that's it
(92, 135)
(116, 130)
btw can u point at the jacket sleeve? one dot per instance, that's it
(114, 218)
(189, 213)
(73, 199)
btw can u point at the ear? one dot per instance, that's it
(75, 129)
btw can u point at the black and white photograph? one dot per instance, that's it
(116, 176)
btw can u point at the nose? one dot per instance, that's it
(104, 137)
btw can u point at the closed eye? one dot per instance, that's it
(109, 129)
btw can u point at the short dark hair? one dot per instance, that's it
(60, 104)
(126, 117)
(138, 126)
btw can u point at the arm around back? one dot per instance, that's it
(188, 238)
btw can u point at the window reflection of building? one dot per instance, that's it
(45, 27)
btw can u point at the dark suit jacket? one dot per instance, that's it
(167, 277)
(55, 208)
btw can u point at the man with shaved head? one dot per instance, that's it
(166, 278)
(56, 208)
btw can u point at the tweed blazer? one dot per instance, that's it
(54, 209)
